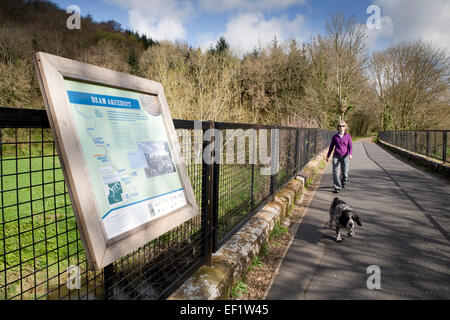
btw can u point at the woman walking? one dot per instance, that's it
(342, 144)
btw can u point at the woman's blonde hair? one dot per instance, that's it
(342, 122)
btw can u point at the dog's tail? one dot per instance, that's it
(333, 205)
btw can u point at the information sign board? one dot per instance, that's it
(120, 155)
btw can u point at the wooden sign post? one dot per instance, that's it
(120, 156)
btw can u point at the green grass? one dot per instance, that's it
(322, 164)
(38, 235)
(265, 250)
(278, 231)
(256, 262)
(239, 289)
(308, 182)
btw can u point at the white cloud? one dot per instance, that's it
(249, 30)
(166, 28)
(417, 19)
(254, 22)
(159, 19)
(375, 36)
(247, 5)
(246, 28)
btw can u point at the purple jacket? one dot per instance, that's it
(343, 145)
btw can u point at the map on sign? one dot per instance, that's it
(127, 154)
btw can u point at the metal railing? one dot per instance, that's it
(240, 190)
(430, 143)
(41, 254)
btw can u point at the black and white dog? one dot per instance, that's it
(342, 216)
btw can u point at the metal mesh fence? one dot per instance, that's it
(235, 179)
(41, 253)
(244, 186)
(430, 143)
(40, 246)
(287, 158)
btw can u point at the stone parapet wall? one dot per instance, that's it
(434, 164)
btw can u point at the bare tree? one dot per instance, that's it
(411, 81)
(349, 53)
(336, 75)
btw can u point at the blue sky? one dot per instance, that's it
(249, 23)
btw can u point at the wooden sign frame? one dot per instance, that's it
(100, 250)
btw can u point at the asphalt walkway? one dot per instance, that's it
(405, 214)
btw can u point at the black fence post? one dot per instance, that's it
(403, 139)
(315, 141)
(297, 151)
(215, 187)
(273, 148)
(415, 141)
(252, 197)
(444, 146)
(309, 145)
(208, 195)
(428, 144)
(253, 158)
(306, 146)
(108, 282)
(435, 145)
(272, 180)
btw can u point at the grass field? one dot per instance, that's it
(38, 235)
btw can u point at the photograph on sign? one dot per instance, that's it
(120, 154)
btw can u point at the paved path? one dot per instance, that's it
(405, 214)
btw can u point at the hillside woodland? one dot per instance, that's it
(311, 84)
